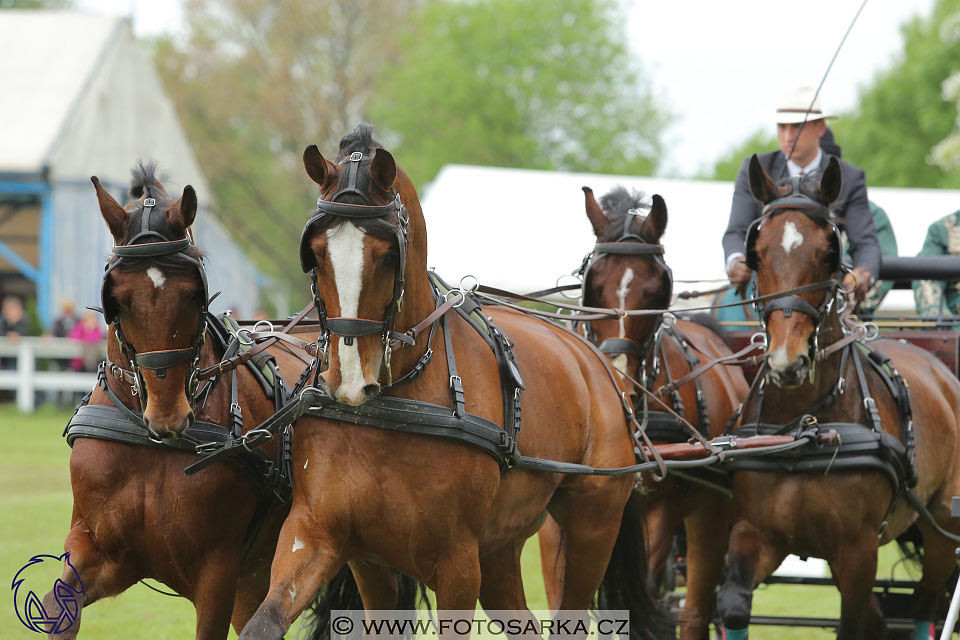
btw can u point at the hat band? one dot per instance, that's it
(799, 111)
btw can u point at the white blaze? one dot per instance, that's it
(345, 247)
(156, 276)
(620, 363)
(778, 359)
(625, 280)
(792, 238)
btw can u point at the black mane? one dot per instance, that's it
(615, 205)
(360, 139)
(144, 180)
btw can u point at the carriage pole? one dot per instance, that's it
(955, 601)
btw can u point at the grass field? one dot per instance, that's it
(35, 505)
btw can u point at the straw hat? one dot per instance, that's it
(794, 104)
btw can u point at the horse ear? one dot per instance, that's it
(383, 168)
(762, 186)
(183, 215)
(316, 165)
(656, 222)
(113, 214)
(598, 219)
(831, 182)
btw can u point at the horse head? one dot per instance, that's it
(795, 244)
(626, 271)
(154, 295)
(365, 247)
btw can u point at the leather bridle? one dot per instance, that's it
(150, 242)
(797, 201)
(350, 328)
(632, 244)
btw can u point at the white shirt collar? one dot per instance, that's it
(794, 169)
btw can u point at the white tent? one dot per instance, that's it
(522, 229)
(79, 97)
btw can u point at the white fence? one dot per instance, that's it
(26, 380)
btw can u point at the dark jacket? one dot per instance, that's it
(852, 206)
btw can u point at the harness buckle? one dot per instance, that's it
(149, 202)
(206, 448)
(725, 442)
(253, 434)
(356, 156)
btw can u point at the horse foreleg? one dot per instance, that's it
(552, 559)
(213, 595)
(706, 544)
(301, 565)
(377, 585)
(854, 571)
(750, 559)
(457, 581)
(501, 586)
(100, 575)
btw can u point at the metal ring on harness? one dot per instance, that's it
(247, 341)
(266, 322)
(463, 297)
(576, 280)
(871, 331)
(759, 339)
(476, 283)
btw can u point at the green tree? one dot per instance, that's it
(728, 165)
(254, 83)
(36, 4)
(518, 83)
(947, 152)
(901, 115)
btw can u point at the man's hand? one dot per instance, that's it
(740, 274)
(859, 281)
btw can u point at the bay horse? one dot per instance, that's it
(627, 271)
(815, 377)
(442, 512)
(209, 537)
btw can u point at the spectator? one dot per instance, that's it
(13, 324)
(935, 298)
(66, 321)
(88, 331)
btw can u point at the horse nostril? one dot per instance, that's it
(371, 390)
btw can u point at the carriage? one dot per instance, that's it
(585, 435)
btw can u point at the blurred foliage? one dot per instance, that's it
(254, 83)
(727, 167)
(901, 115)
(518, 83)
(36, 4)
(946, 154)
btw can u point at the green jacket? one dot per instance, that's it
(943, 239)
(888, 247)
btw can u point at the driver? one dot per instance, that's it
(807, 159)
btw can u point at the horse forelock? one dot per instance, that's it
(360, 139)
(616, 204)
(145, 183)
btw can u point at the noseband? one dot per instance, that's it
(350, 328)
(152, 243)
(630, 244)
